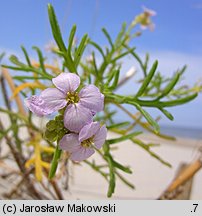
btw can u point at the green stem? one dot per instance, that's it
(97, 169)
(54, 163)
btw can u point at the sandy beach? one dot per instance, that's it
(150, 177)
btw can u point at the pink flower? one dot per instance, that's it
(81, 146)
(144, 19)
(149, 12)
(35, 104)
(80, 107)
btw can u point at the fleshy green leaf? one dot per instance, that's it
(80, 49)
(112, 178)
(167, 114)
(108, 37)
(122, 124)
(41, 59)
(26, 56)
(71, 39)
(122, 138)
(98, 48)
(170, 86)
(121, 167)
(147, 117)
(147, 80)
(55, 28)
(116, 80)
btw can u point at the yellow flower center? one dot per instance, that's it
(72, 97)
(87, 143)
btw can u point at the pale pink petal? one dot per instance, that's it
(36, 105)
(143, 27)
(149, 12)
(91, 98)
(66, 82)
(53, 99)
(100, 137)
(88, 131)
(151, 26)
(82, 154)
(76, 116)
(70, 143)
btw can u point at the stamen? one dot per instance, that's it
(72, 97)
(87, 143)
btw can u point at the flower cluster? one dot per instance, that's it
(144, 19)
(80, 107)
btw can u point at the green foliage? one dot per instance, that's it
(66, 52)
(147, 80)
(20, 66)
(122, 138)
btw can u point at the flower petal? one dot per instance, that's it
(76, 116)
(91, 98)
(66, 82)
(70, 143)
(88, 131)
(82, 154)
(100, 137)
(53, 99)
(149, 12)
(36, 105)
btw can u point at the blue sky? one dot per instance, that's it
(177, 38)
(177, 24)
